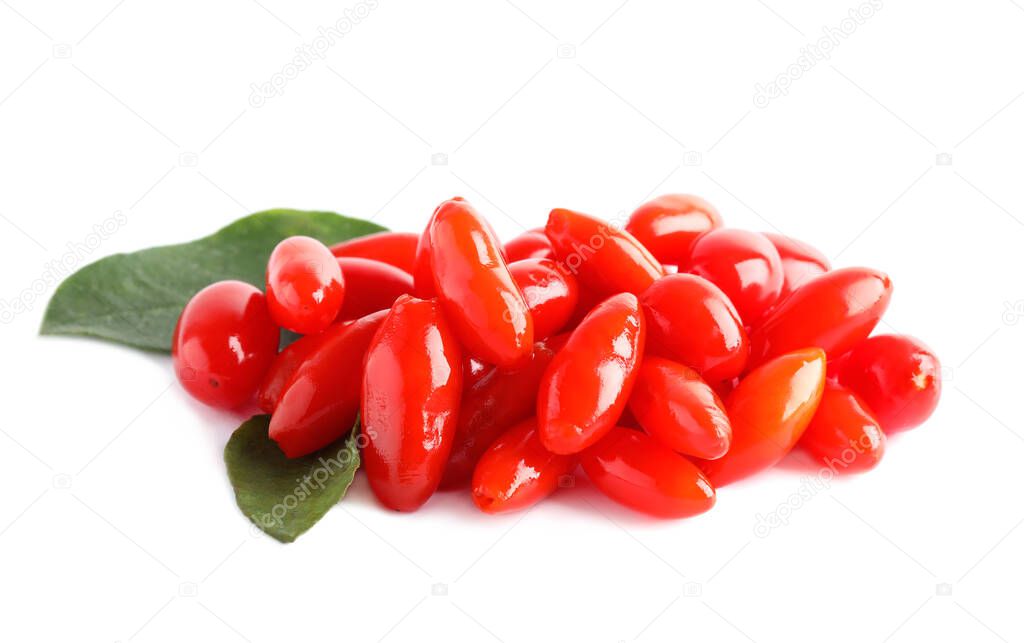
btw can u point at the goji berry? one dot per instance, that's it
(635, 470)
(769, 411)
(691, 321)
(412, 382)
(607, 260)
(517, 472)
(898, 377)
(479, 295)
(674, 406)
(305, 288)
(320, 401)
(669, 224)
(745, 265)
(585, 388)
(223, 343)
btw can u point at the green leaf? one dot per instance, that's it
(286, 497)
(136, 298)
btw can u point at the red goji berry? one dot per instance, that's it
(305, 288)
(479, 295)
(223, 343)
(395, 248)
(585, 388)
(898, 377)
(843, 435)
(412, 382)
(637, 471)
(745, 265)
(606, 260)
(800, 261)
(669, 224)
(320, 401)
(674, 406)
(693, 322)
(550, 293)
(370, 286)
(769, 411)
(532, 244)
(517, 472)
(834, 311)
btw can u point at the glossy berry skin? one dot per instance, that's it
(394, 248)
(605, 259)
(769, 411)
(691, 321)
(517, 472)
(898, 377)
(550, 293)
(585, 388)
(669, 224)
(678, 409)
(287, 362)
(476, 289)
(472, 371)
(371, 286)
(844, 436)
(422, 273)
(495, 401)
(305, 288)
(223, 343)
(412, 383)
(745, 265)
(637, 471)
(800, 261)
(321, 400)
(834, 311)
(532, 244)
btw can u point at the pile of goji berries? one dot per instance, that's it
(666, 359)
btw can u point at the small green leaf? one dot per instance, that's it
(136, 298)
(285, 497)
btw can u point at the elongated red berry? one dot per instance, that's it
(550, 293)
(678, 409)
(395, 248)
(517, 472)
(635, 470)
(532, 244)
(669, 224)
(745, 265)
(585, 388)
(305, 288)
(834, 311)
(691, 321)
(769, 411)
(843, 435)
(800, 261)
(321, 400)
(370, 286)
(412, 383)
(286, 363)
(607, 260)
(479, 295)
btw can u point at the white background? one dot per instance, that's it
(116, 519)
